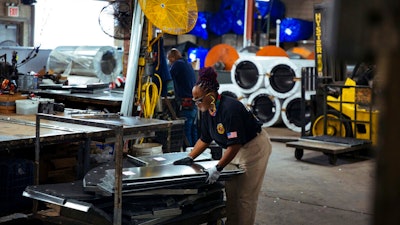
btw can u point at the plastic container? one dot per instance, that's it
(146, 149)
(26, 106)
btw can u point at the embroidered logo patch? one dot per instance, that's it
(232, 134)
(220, 128)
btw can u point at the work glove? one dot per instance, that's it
(185, 161)
(212, 175)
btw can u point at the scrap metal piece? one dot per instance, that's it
(96, 115)
(137, 161)
(48, 198)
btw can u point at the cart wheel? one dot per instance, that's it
(337, 125)
(298, 153)
(332, 159)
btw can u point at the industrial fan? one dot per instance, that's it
(172, 17)
(121, 14)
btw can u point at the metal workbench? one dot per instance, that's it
(19, 131)
(99, 99)
(45, 129)
(119, 128)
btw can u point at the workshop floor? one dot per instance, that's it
(312, 191)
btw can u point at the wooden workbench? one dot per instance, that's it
(18, 131)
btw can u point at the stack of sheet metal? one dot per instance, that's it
(164, 162)
(161, 176)
(154, 191)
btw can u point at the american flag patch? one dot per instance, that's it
(232, 135)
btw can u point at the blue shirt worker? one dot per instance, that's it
(184, 78)
(232, 126)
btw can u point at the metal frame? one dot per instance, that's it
(118, 129)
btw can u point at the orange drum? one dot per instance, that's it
(221, 54)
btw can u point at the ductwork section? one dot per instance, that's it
(265, 107)
(102, 62)
(291, 113)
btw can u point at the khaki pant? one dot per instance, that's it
(242, 190)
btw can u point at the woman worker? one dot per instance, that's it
(228, 122)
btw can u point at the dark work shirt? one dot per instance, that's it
(232, 124)
(184, 78)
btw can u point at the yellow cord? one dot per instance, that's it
(150, 96)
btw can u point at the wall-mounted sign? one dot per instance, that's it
(13, 11)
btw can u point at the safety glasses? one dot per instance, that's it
(200, 100)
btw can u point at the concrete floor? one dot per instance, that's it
(312, 191)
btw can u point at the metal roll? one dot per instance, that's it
(284, 77)
(103, 62)
(266, 107)
(231, 90)
(248, 72)
(291, 113)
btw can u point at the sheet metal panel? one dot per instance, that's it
(148, 178)
(94, 176)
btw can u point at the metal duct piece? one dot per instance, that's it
(292, 116)
(103, 62)
(247, 76)
(280, 75)
(249, 72)
(285, 76)
(282, 80)
(231, 90)
(266, 107)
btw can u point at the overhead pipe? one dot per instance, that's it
(248, 23)
(133, 61)
(278, 34)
